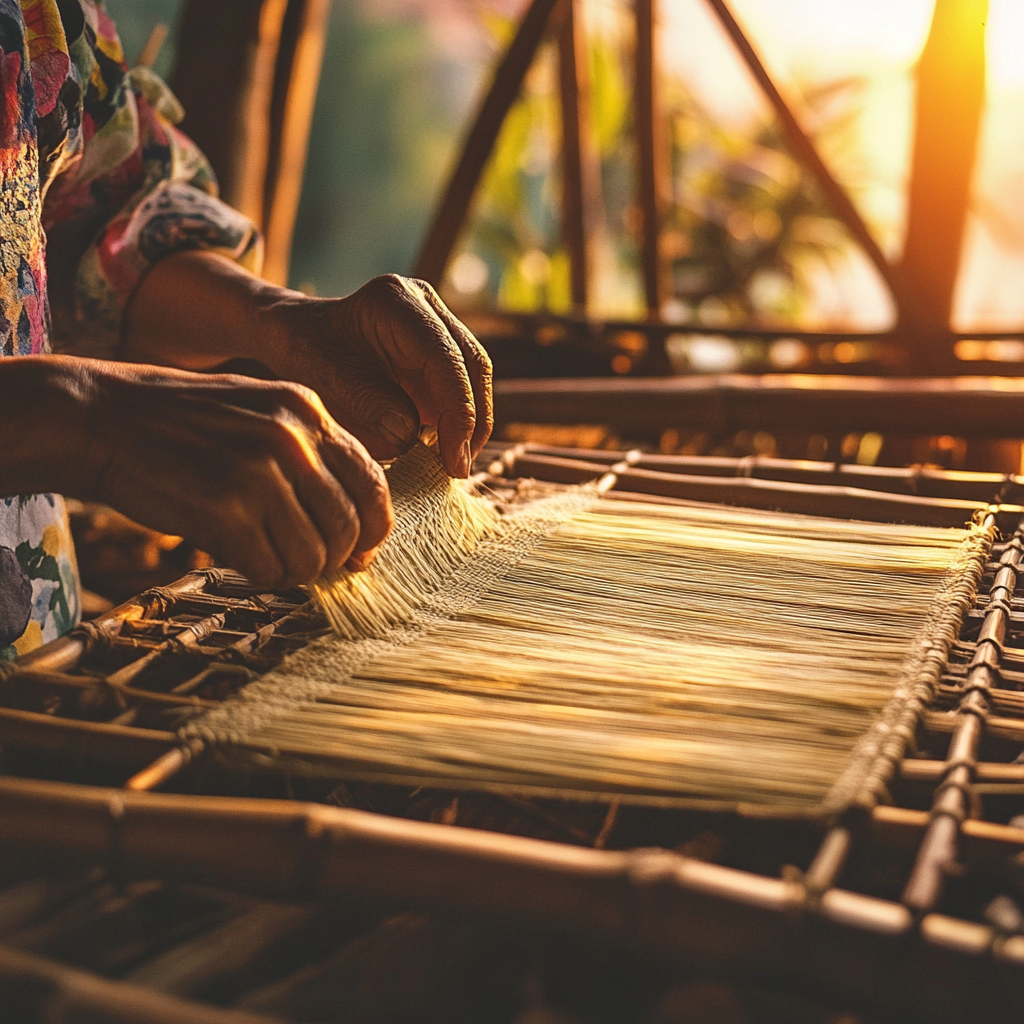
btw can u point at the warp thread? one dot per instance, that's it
(639, 651)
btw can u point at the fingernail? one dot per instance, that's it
(397, 429)
(361, 561)
(465, 460)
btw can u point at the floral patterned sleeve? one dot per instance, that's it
(122, 186)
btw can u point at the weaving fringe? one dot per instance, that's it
(408, 591)
(438, 525)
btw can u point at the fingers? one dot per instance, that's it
(417, 350)
(339, 487)
(299, 543)
(256, 473)
(378, 412)
(365, 484)
(478, 367)
(250, 551)
(331, 512)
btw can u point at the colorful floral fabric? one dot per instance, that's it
(96, 185)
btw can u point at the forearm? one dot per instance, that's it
(196, 310)
(44, 425)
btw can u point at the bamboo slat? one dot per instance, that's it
(921, 481)
(97, 739)
(808, 499)
(52, 991)
(643, 406)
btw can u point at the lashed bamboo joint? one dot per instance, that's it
(679, 654)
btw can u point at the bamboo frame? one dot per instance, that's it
(37, 984)
(952, 802)
(748, 492)
(922, 338)
(807, 928)
(656, 902)
(968, 407)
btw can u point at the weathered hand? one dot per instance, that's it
(385, 360)
(255, 472)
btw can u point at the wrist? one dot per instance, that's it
(196, 310)
(47, 418)
(284, 319)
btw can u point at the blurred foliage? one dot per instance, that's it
(515, 227)
(746, 229)
(747, 226)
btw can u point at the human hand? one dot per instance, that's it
(257, 473)
(386, 360)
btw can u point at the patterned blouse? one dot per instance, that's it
(96, 185)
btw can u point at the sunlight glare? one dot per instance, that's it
(1004, 44)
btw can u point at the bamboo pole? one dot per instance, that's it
(806, 152)
(953, 801)
(99, 687)
(457, 199)
(807, 499)
(970, 407)
(923, 481)
(229, 50)
(297, 77)
(914, 770)
(53, 991)
(651, 154)
(506, 323)
(949, 101)
(70, 736)
(580, 175)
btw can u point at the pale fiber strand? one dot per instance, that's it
(649, 652)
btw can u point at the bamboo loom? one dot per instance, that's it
(102, 701)
(580, 646)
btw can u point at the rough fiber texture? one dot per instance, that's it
(651, 653)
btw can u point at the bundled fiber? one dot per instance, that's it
(437, 527)
(647, 652)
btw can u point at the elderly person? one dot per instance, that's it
(116, 254)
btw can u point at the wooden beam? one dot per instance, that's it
(640, 406)
(296, 80)
(948, 108)
(651, 168)
(580, 173)
(227, 52)
(458, 195)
